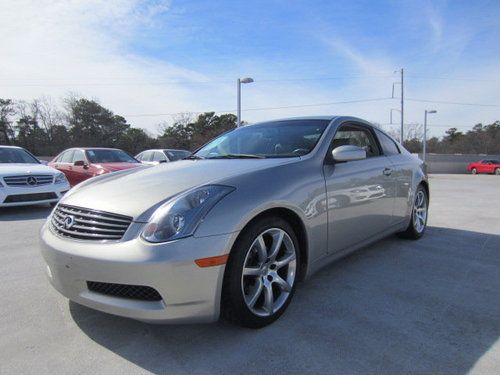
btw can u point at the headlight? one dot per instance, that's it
(60, 179)
(180, 216)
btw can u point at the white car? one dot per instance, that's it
(25, 181)
(154, 157)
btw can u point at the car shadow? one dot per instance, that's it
(22, 213)
(427, 306)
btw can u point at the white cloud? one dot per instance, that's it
(51, 48)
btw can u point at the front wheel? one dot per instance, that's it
(474, 171)
(418, 222)
(497, 171)
(261, 273)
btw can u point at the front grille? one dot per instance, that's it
(29, 197)
(138, 292)
(29, 180)
(85, 224)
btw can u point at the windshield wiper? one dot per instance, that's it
(193, 157)
(237, 156)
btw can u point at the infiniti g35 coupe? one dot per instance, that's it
(24, 180)
(231, 230)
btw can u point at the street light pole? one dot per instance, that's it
(424, 148)
(238, 98)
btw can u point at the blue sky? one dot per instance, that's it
(163, 57)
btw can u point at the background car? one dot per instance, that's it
(79, 164)
(485, 166)
(25, 181)
(161, 156)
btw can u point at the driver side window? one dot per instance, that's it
(357, 136)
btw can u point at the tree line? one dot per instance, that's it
(45, 128)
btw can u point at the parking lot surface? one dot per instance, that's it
(421, 307)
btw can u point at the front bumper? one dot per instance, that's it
(189, 293)
(57, 189)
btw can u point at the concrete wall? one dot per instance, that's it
(456, 164)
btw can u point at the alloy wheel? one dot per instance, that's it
(269, 272)
(420, 211)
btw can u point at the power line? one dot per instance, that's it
(182, 82)
(455, 103)
(454, 79)
(263, 108)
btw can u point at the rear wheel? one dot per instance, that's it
(418, 222)
(261, 273)
(474, 171)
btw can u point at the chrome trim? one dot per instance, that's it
(30, 180)
(83, 229)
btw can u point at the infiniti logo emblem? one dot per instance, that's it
(69, 221)
(31, 180)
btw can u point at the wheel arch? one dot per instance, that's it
(300, 231)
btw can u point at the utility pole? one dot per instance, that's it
(238, 98)
(424, 143)
(402, 106)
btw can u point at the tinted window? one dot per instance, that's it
(159, 156)
(78, 156)
(174, 155)
(109, 156)
(388, 145)
(357, 136)
(278, 139)
(147, 155)
(16, 155)
(67, 157)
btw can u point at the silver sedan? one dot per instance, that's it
(230, 231)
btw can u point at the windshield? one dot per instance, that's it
(16, 155)
(280, 139)
(109, 156)
(174, 155)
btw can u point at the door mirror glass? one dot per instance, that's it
(348, 153)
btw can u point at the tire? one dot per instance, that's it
(497, 171)
(474, 171)
(258, 299)
(417, 226)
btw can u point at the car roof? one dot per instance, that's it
(326, 117)
(91, 148)
(6, 146)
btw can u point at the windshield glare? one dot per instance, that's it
(15, 155)
(109, 156)
(280, 139)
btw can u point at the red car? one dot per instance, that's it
(79, 164)
(485, 166)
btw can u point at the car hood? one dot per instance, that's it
(12, 169)
(133, 192)
(112, 167)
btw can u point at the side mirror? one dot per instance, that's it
(80, 163)
(348, 153)
(163, 161)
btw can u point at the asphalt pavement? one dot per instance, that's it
(396, 307)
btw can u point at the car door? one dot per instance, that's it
(402, 174)
(360, 194)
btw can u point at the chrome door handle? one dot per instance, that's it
(387, 171)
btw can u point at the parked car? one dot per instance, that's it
(25, 181)
(155, 157)
(231, 230)
(485, 166)
(79, 164)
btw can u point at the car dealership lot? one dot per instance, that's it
(428, 306)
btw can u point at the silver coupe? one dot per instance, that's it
(230, 230)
